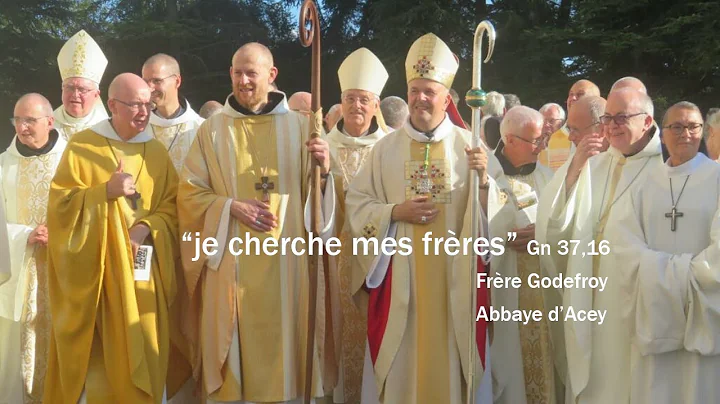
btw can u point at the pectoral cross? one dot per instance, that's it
(133, 199)
(424, 185)
(673, 215)
(265, 187)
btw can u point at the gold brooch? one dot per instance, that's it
(369, 231)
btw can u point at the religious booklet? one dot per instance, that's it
(143, 262)
(527, 210)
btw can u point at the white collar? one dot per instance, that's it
(440, 133)
(281, 108)
(96, 114)
(187, 116)
(653, 148)
(343, 138)
(687, 167)
(104, 129)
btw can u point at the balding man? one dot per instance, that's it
(173, 121)
(82, 64)
(332, 117)
(560, 148)
(252, 350)
(209, 109)
(300, 102)
(111, 261)
(26, 169)
(584, 207)
(395, 111)
(629, 82)
(522, 353)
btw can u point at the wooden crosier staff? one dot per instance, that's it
(476, 98)
(310, 37)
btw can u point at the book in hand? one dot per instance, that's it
(143, 262)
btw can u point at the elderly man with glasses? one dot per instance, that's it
(522, 140)
(111, 262)
(173, 122)
(583, 206)
(82, 64)
(26, 170)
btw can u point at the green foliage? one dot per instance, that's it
(542, 45)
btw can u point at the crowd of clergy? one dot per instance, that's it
(101, 301)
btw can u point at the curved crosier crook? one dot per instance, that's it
(476, 98)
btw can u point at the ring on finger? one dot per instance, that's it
(423, 219)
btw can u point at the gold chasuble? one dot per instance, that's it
(347, 155)
(418, 336)
(112, 336)
(249, 329)
(176, 134)
(25, 176)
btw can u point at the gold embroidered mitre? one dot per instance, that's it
(362, 70)
(430, 58)
(82, 57)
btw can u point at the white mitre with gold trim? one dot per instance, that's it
(82, 57)
(362, 70)
(430, 58)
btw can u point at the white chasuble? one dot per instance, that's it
(67, 125)
(419, 315)
(597, 354)
(671, 290)
(176, 134)
(24, 310)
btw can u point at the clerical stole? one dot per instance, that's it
(112, 335)
(535, 337)
(25, 182)
(252, 329)
(347, 155)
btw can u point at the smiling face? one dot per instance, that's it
(630, 120)
(163, 81)
(682, 132)
(79, 96)
(358, 108)
(251, 73)
(427, 101)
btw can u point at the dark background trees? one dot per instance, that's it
(542, 45)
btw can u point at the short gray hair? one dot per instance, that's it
(680, 105)
(629, 81)
(511, 101)
(713, 118)
(596, 105)
(495, 104)
(550, 105)
(517, 118)
(395, 111)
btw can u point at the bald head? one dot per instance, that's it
(580, 89)
(254, 51)
(332, 116)
(300, 101)
(629, 82)
(169, 63)
(37, 101)
(33, 120)
(209, 109)
(129, 104)
(584, 118)
(126, 83)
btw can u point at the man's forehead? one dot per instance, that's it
(551, 112)
(684, 113)
(421, 84)
(154, 68)
(79, 81)
(359, 93)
